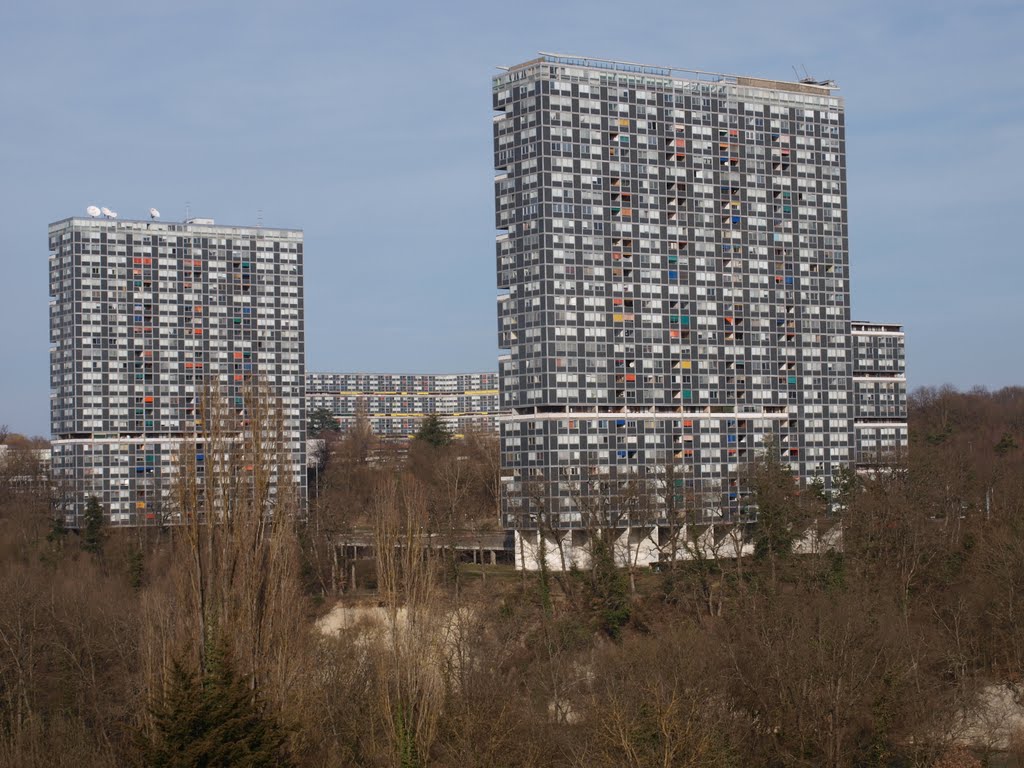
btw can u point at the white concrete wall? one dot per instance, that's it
(632, 545)
(637, 546)
(559, 551)
(640, 546)
(815, 542)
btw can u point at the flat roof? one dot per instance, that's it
(819, 87)
(164, 225)
(370, 373)
(873, 322)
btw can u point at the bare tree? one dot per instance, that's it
(411, 686)
(239, 510)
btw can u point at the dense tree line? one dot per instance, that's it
(206, 645)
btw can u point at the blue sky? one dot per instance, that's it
(368, 125)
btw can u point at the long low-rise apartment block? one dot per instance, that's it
(397, 403)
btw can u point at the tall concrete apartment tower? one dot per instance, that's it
(674, 289)
(145, 317)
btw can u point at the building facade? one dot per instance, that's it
(880, 393)
(146, 317)
(673, 276)
(396, 404)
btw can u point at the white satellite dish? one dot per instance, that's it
(111, 214)
(154, 213)
(93, 211)
(106, 211)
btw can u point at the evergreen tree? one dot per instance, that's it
(844, 487)
(433, 432)
(609, 590)
(136, 568)
(92, 530)
(320, 420)
(214, 721)
(1006, 444)
(777, 495)
(58, 531)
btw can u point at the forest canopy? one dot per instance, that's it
(250, 643)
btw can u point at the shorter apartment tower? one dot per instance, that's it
(146, 317)
(396, 404)
(880, 392)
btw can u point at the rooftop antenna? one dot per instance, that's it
(807, 77)
(259, 217)
(795, 73)
(188, 210)
(93, 211)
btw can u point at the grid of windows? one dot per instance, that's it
(671, 250)
(880, 392)
(395, 404)
(144, 317)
